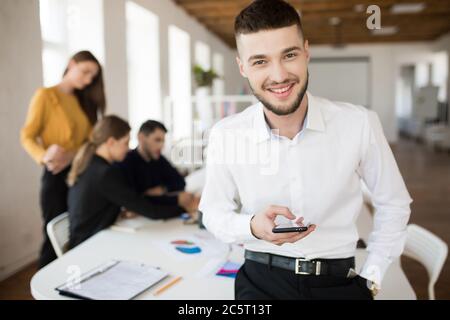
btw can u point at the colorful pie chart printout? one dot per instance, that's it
(186, 247)
(229, 269)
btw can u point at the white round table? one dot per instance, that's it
(151, 245)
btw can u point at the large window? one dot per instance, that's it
(180, 82)
(202, 55)
(69, 26)
(203, 107)
(144, 89)
(219, 83)
(218, 88)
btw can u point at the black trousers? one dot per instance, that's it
(53, 201)
(258, 281)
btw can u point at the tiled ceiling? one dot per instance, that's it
(337, 22)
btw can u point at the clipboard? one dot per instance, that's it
(114, 280)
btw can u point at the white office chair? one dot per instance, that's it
(429, 250)
(58, 233)
(436, 134)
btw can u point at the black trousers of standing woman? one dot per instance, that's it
(53, 201)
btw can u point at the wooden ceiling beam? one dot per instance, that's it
(434, 20)
(357, 23)
(303, 5)
(430, 12)
(308, 20)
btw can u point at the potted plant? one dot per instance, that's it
(203, 81)
(204, 78)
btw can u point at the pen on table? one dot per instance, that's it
(167, 285)
(101, 270)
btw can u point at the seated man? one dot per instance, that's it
(150, 173)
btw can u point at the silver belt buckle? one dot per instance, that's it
(298, 263)
(297, 266)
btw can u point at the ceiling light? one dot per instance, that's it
(334, 21)
(385, 31)
(359, 7)
(403, 8)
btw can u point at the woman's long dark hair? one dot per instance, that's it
(105, 128)
(92, 97)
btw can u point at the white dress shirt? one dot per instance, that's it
(317, 175)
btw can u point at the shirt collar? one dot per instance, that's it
(314, 119)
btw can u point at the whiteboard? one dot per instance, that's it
(341, 79)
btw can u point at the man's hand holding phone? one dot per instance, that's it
(262, 226)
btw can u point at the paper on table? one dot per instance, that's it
(209, 269)
(133, 224)
(120, 281)
(217, 264)
(208, 245)
(229, 269)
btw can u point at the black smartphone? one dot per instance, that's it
(288, 227)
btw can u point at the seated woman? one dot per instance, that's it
(98, 190)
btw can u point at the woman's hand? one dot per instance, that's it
(155, 191)
(57, 158)
(127, 215)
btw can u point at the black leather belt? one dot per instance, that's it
(316, 267)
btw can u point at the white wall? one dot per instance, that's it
(21, 75)
(341, 79)
(385, 60)
(116, 84)
(168, 13)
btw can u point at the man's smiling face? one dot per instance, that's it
(275, 62)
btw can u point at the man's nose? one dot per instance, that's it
(279, 73)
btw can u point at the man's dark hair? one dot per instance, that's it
(266, 15)
(151, 125)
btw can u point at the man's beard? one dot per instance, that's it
(279, 111)
(147, 152)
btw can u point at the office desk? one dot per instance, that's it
(199, 281)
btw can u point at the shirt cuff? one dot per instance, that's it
(375, 268)
(243, 229)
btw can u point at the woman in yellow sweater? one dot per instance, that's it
(59, 121)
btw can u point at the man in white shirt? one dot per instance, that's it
(300, 158)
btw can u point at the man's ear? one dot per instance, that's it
(308, 55)
(241, 67)
(140, 137)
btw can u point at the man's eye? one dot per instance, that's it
(291, 55)
(259, 62)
